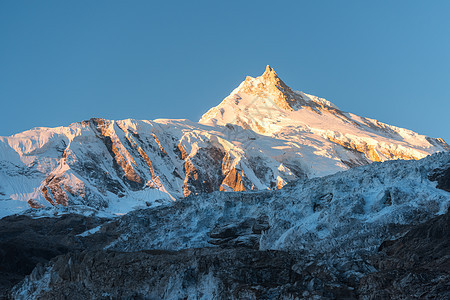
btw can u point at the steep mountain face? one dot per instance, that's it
(263, 136)
(373, 232)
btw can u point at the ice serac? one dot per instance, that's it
(262, 136)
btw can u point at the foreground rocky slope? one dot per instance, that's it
(263, 136)
(414, 266)
(242, 273)
(370, 232)
(26, 242)
(207, 273)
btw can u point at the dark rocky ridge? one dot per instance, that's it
(416, 266)
(209, 273)
(26, 242)
(442, 177)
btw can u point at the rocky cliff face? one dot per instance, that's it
(261, 137)
(207, 273)
(370, 232)
(416, 266)
(399, 271)
(27, 241)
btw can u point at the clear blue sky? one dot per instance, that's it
(66, 61)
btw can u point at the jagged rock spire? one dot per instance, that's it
(270, 83)
(269, 72)
(271, 77)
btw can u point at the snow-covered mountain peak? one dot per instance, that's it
(270, 78)
(269, 107)
(269, 72)
(263, 99)
(270, 86)
(262, 136)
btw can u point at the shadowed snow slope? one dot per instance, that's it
(263, 136)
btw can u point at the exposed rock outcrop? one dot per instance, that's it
(26, 242)
(442, 177)
(237, 273)
(416, 266)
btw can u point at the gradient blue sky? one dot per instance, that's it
(66, 61)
